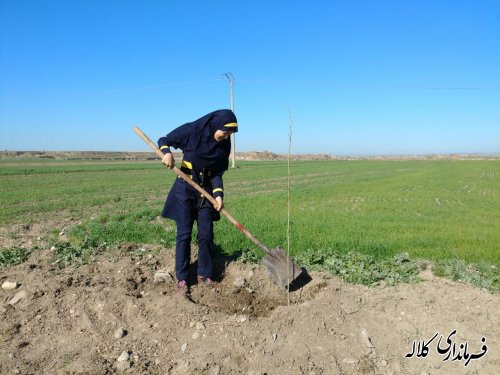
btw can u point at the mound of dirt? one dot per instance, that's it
(111, 317)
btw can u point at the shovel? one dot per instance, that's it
(282, 269)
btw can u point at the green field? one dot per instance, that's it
(440, 210)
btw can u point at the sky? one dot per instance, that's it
(373, 77)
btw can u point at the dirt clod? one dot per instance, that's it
(18, 297)
(120, 333)
(125, 356)
(9, 285)
(163, 276)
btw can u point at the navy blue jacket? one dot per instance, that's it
(204, 158)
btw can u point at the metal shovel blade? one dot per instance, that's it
(281, 267)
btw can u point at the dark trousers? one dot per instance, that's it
(204, 218)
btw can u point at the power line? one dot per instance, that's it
(230, 77)
(368, 86)
(118, 91)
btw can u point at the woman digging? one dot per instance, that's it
(206, 146)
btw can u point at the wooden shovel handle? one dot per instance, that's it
(211, 199)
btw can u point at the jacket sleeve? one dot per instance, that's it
(177, 138)
(218, 185)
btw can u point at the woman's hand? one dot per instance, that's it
(168, 160)
(220, 204)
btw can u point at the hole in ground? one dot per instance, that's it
(248, 290)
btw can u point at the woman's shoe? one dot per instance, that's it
(205, 281)
(182, 287)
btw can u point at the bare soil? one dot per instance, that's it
(71, 321)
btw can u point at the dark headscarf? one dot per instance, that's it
(202, 149)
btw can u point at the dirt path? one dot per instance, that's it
(72, 321)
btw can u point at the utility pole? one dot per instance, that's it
(230, 77)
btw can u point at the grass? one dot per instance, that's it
(106, 232)
(137, 227)
(66, 253)
(13, 256)
(360, 268)
(361, 216)
(482, 275)
(376, 208)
